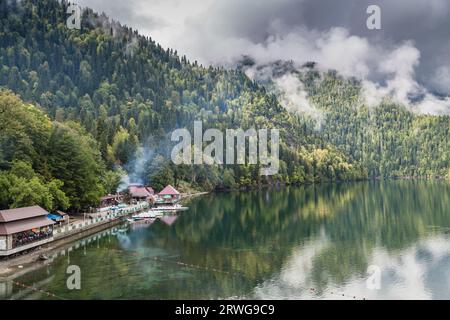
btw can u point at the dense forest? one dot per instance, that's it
(388, 140)
(79, 108)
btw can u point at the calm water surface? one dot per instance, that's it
(314, 242)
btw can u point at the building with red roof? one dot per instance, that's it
(24, 228)
(168, 195)
(111, 200)
(139, 192)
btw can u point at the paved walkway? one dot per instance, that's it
(107, 216)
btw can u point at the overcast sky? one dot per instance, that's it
(410, 55)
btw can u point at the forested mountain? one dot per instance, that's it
(388, 140)
(91, 101)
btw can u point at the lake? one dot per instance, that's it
(367, 240)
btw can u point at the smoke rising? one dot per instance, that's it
(136, 168)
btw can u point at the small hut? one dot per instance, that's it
(168, 195)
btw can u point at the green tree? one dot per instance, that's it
(75, 160)
(159, 173)
(111, 180)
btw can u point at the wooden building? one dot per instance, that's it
(111, 200)
(24, 228)
(168, 195)
(139, 193)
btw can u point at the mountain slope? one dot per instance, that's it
(129, 94)
(123, 94)
(388, 139)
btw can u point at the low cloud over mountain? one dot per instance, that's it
(407, 59)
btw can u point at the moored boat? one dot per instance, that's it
(175, 207)
(151, 214)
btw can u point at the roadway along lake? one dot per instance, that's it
(314, 242)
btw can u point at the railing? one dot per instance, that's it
(17, 243)
(80, 225)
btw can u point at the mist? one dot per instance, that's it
(408, 58)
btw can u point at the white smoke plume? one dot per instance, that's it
(136, 168)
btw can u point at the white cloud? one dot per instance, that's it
(221, 31)
(441, 79)
(398, 67)
(295, 99)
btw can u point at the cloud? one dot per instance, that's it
(295, 98)
(441, 79)
(284, 81)
(384, 70)
(407, 59)
(398, 67)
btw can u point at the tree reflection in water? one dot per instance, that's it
(281, 242)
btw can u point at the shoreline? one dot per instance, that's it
(18, 265)
(26, 261)
(30, 259)
(284, 184)
(188, 196)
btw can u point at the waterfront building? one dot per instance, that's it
(168, 195)
(59, 217)
(140, 193)
(24, 228)
(111, 200)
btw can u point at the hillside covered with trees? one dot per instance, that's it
(80, 106)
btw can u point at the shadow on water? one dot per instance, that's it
(274, 243)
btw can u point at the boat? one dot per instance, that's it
(151, 214)
(158, 213)
(175, 207)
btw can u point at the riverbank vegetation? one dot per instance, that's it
(52, 164)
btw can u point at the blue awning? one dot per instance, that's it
(54, 217)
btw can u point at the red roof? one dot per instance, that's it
(140, 191)
(24, 225)
(109, 197)
(169, 190)
(21, 213)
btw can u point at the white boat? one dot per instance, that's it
(151, 214)
(158, 213)
(175, 207)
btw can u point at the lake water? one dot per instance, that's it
(316, 242)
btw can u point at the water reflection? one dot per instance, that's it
(275, 243)
(421, 271)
